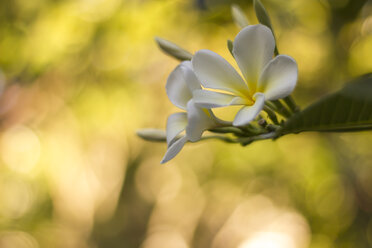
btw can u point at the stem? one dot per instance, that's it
(271, 105)
(229, 129)
(291, 104)
(281, 109)
(271, 115)
(222, 138)
(252, 129)
(247, 141)
(272, 127)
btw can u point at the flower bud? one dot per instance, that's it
(151, 134)
(261, 13)
(173, 49)
(230, 46)
(239, 17)
(263, 18)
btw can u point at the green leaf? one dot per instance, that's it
(349, 109)
(239, 17)
(173, 50)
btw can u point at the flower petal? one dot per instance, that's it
(215, 72)
(193, 82)
(278, 78)
(180, 84)
(176, 123)
(249, 113)
(199, 120)
(174, 149)
(210, 99)
(253, 49)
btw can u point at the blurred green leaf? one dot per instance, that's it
(349, 109)
(173, 50)
(239, 17)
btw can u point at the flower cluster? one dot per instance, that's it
(181, 85)
(208, 81)
(205, 81)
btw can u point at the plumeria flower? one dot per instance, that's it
(265, 78)
(180, 85)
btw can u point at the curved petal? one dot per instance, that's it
(176, 123)
(253, 49)
(249, 113)
(174, 149)
(215, 72)
(210, 99)
(278, 78)
(199, 120)
(191, 80)
(180, 84)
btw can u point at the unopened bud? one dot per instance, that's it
(261, 13)
(239, 17)
(230, 46)
(173, 50)
(263, 18)
(151, 134)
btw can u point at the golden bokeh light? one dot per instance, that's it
(79, 78)
(20, 149)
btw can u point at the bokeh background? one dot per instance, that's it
(79, 77)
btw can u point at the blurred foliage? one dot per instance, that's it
(347, 110)
(79, 77)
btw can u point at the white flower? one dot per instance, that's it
(180, 85)
(266, 78)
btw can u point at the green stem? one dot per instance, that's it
(271, 105)
(271, 115)
(281, 109)
(252, 129)
(272, 127)
(230, 129)
(291, 104)
(249, 140)
(222, 138)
